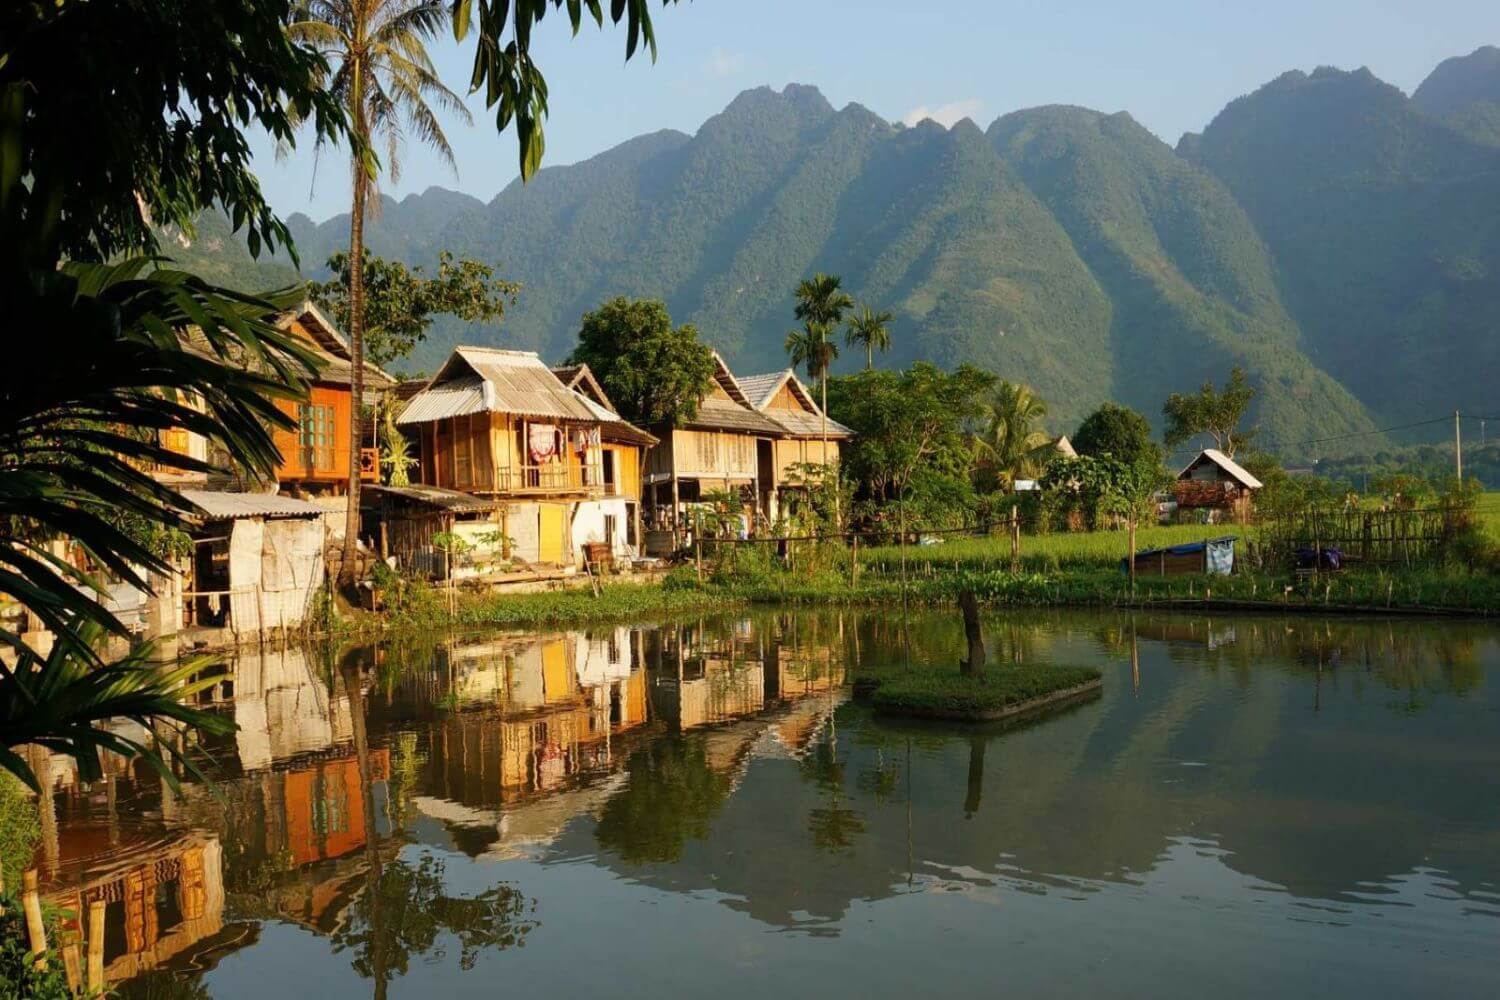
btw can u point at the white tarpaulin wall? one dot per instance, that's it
(275, 567)
(588, 525)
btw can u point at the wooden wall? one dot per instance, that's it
(288, 443)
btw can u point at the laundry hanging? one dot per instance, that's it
(585, 438)
(542, 442)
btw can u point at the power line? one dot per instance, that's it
(1267, 445)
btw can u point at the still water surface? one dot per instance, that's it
(1253, 806)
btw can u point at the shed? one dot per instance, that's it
(257, 560)
(405, 518)
(1212, 556)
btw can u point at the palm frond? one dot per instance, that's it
(59, 701)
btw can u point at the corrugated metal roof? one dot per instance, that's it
(716, 414)
(218, 506)
(1229, 465)
(760, 388)
(612, 426)
(452, 501)
(800, 423)
(514, 382)
(455, 398)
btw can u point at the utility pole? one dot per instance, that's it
(1458, 448)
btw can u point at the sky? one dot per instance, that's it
(1172, 64)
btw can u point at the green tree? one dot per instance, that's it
(908, 424)
(821, 305)
(1013, 443)
(653, 372)
(401, 301)
(870, 329)
(1213, 412)
(1119, 431)
(382, 75)
(131, 116)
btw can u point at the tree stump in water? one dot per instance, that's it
(974, 665)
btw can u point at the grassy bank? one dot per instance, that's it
(422, 607)
(1040, 553)
(1057, 570)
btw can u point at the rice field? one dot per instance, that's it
(1042, 553)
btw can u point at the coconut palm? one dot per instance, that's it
(382, 74)
(1012, 439)
(872, 329)
(821, 305)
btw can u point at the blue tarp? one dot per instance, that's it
(1220, 561)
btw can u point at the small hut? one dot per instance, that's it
(1217, 485)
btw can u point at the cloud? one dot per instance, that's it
(946, 115)
(724, 63)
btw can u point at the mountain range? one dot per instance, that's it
(1339, 239)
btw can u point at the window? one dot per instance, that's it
(315, 435)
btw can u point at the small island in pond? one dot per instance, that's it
(1003, 692)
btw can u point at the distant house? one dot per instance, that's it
(783, 398)
(562, 465)
(1064, 447)
(725, 447)
(1215, 483)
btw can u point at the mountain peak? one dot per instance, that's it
(1458, 83)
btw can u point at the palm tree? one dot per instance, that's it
(383, 76)
(821, 305)
(871, 329)
(1012, 439)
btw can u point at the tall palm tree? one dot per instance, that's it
(1012, 438)
(821, 305)
(872, 329)
(381, 72)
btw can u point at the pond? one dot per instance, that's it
(1253, 805)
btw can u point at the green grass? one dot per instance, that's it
(1042, 553)
(616, 602)
(943, 691)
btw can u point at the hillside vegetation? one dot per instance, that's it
(1321, 232)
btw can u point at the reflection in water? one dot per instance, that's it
(1246, 786)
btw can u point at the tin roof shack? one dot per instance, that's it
(405, 519)
(783, 398)
(1211, 557)
(257, 561)
(725, 447)
(1217, 486)
(565, 466)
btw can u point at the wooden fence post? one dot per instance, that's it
(1015, 540)
(1131, 556)
(31, 904)
(96, 946)
(71, 962)
(854, 563)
